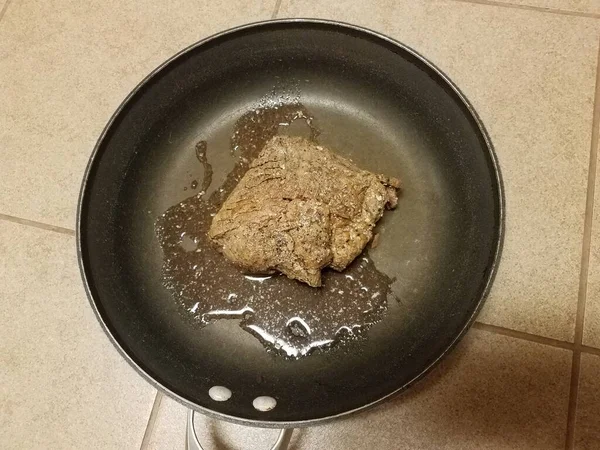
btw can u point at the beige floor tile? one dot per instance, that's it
(531, 77)
(587, 428)
(62, 384)
(591, 330)
(64, 68)
(492, 392)
(581, 6)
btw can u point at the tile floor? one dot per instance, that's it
(527, 376)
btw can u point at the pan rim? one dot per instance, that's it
(499, 185)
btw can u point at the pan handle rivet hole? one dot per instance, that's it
(264, 403)
(219, 393)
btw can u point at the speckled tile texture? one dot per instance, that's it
(493, 392)
(541, 132)
(87, 58)
(565, 6)
(591, 330)
(62, 384)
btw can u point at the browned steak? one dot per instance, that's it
(300, 208)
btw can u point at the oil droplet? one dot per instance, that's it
(201, 147)
(298, 327)
(188, 243)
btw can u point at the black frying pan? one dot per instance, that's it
(373, 98)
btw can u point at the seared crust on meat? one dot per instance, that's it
(299, 208)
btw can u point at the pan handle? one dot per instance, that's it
(192, 443)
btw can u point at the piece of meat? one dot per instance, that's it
(300, 208)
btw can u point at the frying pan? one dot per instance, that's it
(374, 99)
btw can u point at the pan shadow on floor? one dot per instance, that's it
(492, 392)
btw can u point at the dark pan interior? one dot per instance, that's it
(374, 100)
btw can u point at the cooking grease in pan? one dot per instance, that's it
(287, 316)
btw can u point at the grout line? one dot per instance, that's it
(562, 12)
(591, 350)
(4, 8)
(523, 336)
(585, 265)
(573, 395)
(151, 420)
(494, 329)
(276, 9)
(33, 223)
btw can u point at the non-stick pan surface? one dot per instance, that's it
(373, 99)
